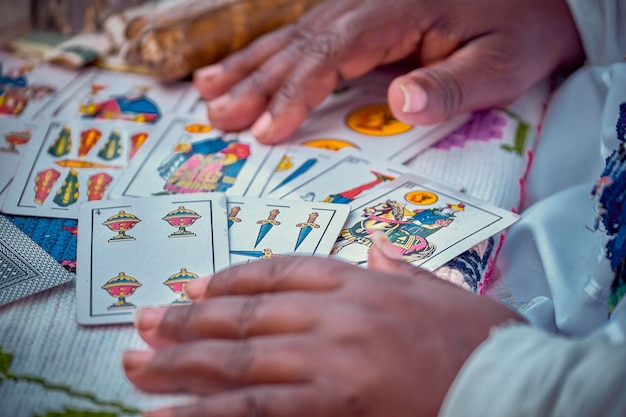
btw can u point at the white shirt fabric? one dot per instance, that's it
(571, 361)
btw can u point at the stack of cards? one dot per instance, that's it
(163, 197)
(142, 251)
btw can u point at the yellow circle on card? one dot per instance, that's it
(198, 128)
(421, 197)
(376, 120)
(330, 144)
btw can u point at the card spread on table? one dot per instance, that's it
(72, 161)
(427, 223)
(349, 176)
(163, 197)
(25, 268)
(260, 228)
(142, 251)
(191, 156)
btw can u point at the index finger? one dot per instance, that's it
(284, 273)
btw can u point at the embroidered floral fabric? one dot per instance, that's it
(611, 209)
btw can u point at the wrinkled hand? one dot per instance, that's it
(313, 337)
(471, 55)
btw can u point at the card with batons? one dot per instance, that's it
(260, 228)
(72, 161)
(191, 156)
(25, 268)
(143, 251)
(427, 223)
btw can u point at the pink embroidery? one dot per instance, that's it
(484, 126)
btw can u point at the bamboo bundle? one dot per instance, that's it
(181, 36)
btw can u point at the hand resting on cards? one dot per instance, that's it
(293, 336)
(465, 56)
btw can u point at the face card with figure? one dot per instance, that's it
(25, 268)
(349, 176)
(191, 156)
(137, 252)
(111, 96)
(260, 228)
(72, 161)
(15, 136)
(27, 86)
(428, 224)
(358, 116)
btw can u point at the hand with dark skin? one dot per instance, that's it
(313, 337)
(467, 55)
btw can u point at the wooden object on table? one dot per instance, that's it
(188, 34)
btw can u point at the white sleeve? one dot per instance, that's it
(602, 27)
(521, 371)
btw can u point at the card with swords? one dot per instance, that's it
(260, 228)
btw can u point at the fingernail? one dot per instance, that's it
(415, 98)
(209, 72)
(261, 127)
(133, 359)
(195, 289)
(384, 245)
(148, 318)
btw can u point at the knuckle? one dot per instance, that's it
(179, 321)
(321, 46)
(247, 314)
(241, 361)
(254, 406)
(257, 82)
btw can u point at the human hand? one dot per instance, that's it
(471, 55)
(308, 337)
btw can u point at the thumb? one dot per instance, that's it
(468, 80)
(384, 257)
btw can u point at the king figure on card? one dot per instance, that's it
(406, 229)
(208, 165)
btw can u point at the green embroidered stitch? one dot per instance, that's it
(521, 134)
(118, 407)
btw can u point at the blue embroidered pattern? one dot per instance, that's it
(611, 188)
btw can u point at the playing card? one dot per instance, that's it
(298, 162)
(25, 268)
(26, 87)
(72, 161)
(15, 135)
(106, 95)
(260, 228)
(358, 116)
(349, 176)
(142, 251)
(191, 156)
(427, 223)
